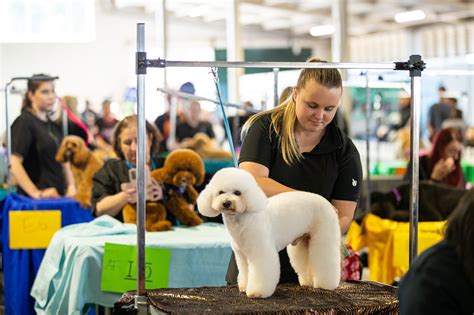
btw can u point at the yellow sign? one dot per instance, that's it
(33, 229)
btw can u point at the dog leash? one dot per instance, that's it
(226, 122)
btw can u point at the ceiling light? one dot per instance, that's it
(409, 16)
(322, 30)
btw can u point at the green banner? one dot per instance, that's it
(119, 268)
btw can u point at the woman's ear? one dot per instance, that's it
(294, 94)
(204, 203)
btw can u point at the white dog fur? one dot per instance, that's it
(260, 227)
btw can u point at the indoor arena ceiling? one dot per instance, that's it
(297, 17)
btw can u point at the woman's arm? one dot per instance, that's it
(271, 187)
(268, 185)
(345, 211)
(111, 205)
(22, 178)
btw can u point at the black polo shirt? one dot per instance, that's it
(332, 169)
(108, 180)
(184, 130)
(37, 142)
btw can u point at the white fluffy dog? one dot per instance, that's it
(260, 227)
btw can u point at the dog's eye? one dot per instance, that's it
(221, 192)
(237, 193)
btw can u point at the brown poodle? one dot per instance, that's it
(155, 216)
(84, 165)
(182, 170)
(206, 148)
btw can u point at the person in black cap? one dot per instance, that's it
(162, 122)
(298, 146)
(35, 140)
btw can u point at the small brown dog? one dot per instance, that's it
(206, 148)
(182, 170)
(83, 165)
(155, 216)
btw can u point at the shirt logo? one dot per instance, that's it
(354, 182)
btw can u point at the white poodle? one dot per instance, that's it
(260, 227)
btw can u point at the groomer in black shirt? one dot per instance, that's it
(297, 146)
(35, 140)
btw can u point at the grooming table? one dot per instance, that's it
(69, 280)
(354, 297)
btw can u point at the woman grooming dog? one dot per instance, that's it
(297, 146)
(112, 188)
(35, 140)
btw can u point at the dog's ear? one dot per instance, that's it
(204, 203)
(256, 199)
(60, 154)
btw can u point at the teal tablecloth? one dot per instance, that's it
(69, 277)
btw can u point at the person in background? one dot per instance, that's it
(441, 279)
(162, 122)
(89, 118)
(106, 122)
(35, 140)
(192, 124)
(455, 119)
(111, 190)
(438, 113)
(297, 146)
(443, 164)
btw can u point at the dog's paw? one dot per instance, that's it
(242, 289)
(259, 294)
(305, 282)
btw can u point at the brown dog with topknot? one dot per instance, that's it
(183, 169)
(84, 164)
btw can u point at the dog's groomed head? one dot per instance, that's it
(73, 149)
(231, 191)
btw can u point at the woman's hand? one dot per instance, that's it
(130, 192)
(443, 168)
(50, 192)
(154, 191)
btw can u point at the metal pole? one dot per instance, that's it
(173, 123)
(201, 98)
(140, 301)
(414, 157)
(9, 138)
(275, 86)
(368, 112)
(64, 119)
(287, 65)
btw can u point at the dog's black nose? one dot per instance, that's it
(226, 204)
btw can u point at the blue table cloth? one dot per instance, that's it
(69, 279)
(20, 266)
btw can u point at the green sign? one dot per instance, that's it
(119, 268)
